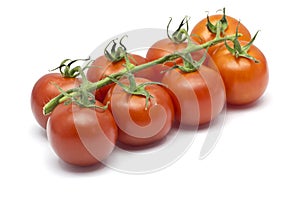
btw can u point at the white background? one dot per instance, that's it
(257, 156)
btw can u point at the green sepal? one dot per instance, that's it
(83, 97)
(224, 22)
(220, 26)
(241, 51)
(66, 69)
(212, 28)
(189, 64)
(180, 35)
(133, 88)
(116, 53)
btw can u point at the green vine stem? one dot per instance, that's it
(49, 107)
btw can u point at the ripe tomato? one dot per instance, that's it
(198, 96)
(102, 67)
(164, 47)
(245, 80)
(44, 90)
(81, 136)
(201, 34)
(141, 124)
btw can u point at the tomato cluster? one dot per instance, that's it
(134, 100)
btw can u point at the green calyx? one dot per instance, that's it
(180, 35)
(116, 53)
(133, 88)
(241, 51)
(189, 64)
(83, 98)
(66, 69)
(219, 27)
(81, 95)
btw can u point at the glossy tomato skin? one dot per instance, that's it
(198, 96)
(165, 47)
(44, 90)
(102, 67)
(201, 34)
(81, 136)
(137, 124)
(245, 80)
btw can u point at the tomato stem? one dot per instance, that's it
(69, 72)
(116, 53)
(241, 51)
(89, 87)
(179, 36)
(220, 26)
(134, 88)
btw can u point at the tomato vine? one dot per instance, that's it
(138, 106)
(49, 107)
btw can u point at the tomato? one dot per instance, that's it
(44, 90)
(81, 136)
(102, 67)
(165, 47)
(245, 80)
(201, 34)
(198, 96)
(141, 124)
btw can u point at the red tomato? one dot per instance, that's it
(165, 47)
(102, 68)
(203, 34)
(245, 80)
(81, 136)
(198, 96)
(44, 90)
(138, 125)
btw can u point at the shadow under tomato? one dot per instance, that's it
(143, 147)
(161, 143)
(78, 169)
(190, 128)
(256, 104)
(176, 128)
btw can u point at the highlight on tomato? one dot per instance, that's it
(244, 70)
(205, 30)
(111, 63)
(198, 96)
(46, 88)
(143, 111)
(175, 42)
(82, 136)
(185, 78)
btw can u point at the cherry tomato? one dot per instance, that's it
(44, 90)
(165, 47)
(245, 80)
(201, 33)
(102, 68)
(81, 136)
(198, 96)
(139, 123)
